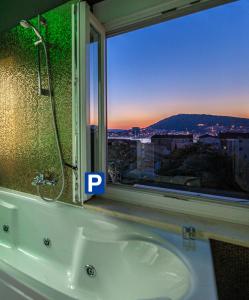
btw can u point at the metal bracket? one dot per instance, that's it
(189, 237)
(74, 168)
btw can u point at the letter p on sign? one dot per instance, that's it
(95, 183)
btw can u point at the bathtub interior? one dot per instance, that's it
(132, 262)
(136, 269)
(15, 285)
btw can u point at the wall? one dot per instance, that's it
(26, 133)
(231, 264)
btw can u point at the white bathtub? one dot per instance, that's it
(132, 262)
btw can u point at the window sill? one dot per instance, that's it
(172, 202)
(172, 221)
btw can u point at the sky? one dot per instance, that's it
(194, 64)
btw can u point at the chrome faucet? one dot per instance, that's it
(41, 179)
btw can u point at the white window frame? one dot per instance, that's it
(202, 205)
(82, 20)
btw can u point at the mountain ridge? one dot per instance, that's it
(190, 122)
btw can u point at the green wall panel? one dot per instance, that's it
(26, 133)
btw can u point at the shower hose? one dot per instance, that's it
(56, 132)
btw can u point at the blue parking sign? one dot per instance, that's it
(94, 183)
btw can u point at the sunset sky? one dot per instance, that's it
(194, 64)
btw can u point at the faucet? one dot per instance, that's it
(41, 179)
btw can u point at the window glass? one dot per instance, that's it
(94, 49)
(178, 104)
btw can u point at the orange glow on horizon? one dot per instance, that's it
(138, 113)
(127, 124)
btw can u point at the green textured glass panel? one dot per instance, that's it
(26, 133)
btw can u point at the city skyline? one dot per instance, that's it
(197, 64)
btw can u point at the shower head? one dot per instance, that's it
(27, 24)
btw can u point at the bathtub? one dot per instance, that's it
(58, 251)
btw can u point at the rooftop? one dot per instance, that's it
(172, 136)
(233, 135)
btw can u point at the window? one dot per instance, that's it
(94, 49)
(178, 111)
(88, 105)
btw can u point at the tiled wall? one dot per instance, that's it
(27, 143)
(231, 263)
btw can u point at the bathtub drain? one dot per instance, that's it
(6, 228)
(47, 242)
(90, 270)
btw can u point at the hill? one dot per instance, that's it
(193, 122)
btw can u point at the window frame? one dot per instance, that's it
(201, 205)
(82, 21)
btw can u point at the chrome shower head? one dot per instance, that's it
(27, 24)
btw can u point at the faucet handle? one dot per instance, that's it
(38, 180)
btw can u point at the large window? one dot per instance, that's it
(178, 104)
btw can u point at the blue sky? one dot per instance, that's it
(194, 64)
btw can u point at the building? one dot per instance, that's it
(171, 142)
(210, 140)
(147, 156)
(167, 143)
(124, 156)
(135, 131)
(236, 145)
